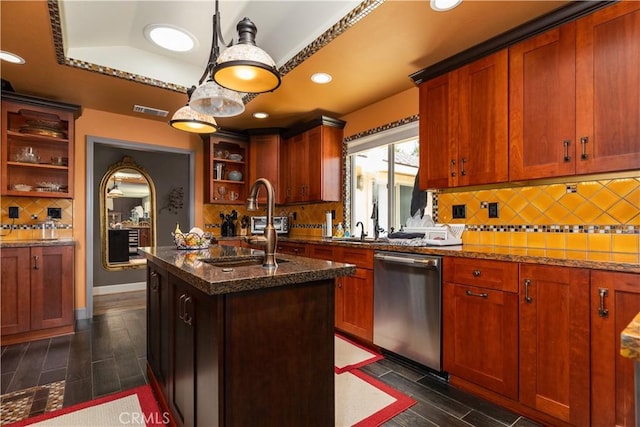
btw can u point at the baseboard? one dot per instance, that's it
(114, 289)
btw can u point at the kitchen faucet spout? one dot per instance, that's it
(376, 223)
(270, 239)
(362, 233)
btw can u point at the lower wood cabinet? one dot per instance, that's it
(554, 341)
(354, 294)
(37, 286)
(262, 357)
(290, 248)
(615, 300)
(480, 323)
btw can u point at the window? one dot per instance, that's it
(383, 174)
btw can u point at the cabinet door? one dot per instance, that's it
(265, 152)
(480, 337)
(298, 249)
(554, 341)
(195, 365)
(615, 301)
(298, 164)
(158, 322)
(438, 127)
(483, 152)
(354, 303)
(607, 85)
(15, 265)
(324, 166)
(52, 287)
(542, 100)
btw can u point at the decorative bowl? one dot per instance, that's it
(191, 240)
(235, 176)
(235, 157)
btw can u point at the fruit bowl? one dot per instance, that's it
(191, 240)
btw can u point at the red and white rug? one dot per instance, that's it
(134, 407)
(362, 400)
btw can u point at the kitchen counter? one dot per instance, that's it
(584, 259)
(189, 266)
(35, 242)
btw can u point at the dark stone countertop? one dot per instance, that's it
(189, 266)
(584, 259)
(36, 242)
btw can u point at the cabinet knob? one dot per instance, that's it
(35, 262)
(476, 273)
(567, 157)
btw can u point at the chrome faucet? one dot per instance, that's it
(362, 233)
(270, 238)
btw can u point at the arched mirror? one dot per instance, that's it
(127, 215)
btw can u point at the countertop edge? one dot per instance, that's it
(36, 242)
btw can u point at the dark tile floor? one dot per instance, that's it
(107, 355)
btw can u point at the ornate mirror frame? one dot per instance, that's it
(111, 225)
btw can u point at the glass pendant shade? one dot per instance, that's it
(244, 67)
(188, 120)
(213, 100)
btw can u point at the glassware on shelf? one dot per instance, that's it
(222, 190)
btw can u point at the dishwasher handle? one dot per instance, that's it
(416, 262)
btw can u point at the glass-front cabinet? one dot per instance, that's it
(37, 146)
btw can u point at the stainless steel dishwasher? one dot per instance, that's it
(407, 305)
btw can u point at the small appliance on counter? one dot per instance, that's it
(228, 227)
(280, 223)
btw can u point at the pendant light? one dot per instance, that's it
(244, 67)
(115, 192)
(189, 120)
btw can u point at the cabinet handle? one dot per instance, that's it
(35, 262)
(339, 283)
(476, 273)
(187, 317)
(602, 310)
(527, 298)
(453, 168)
(154, 281)
(583, 143)
(474, 294)
(181, 307)
(567, 157)
(462, 171)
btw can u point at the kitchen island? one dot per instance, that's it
(231, 343)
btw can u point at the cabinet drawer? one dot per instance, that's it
(321, 252)
(292, 249)
(499, 275)
(362, 258)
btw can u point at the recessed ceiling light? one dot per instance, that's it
(11, 57)
(444, 5)
(260, 115)
(170, 37)
(321, 78)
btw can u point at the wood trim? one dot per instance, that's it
(37, 335)
(160, 398)
(42, 102)
(571, 12)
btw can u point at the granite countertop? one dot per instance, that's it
(212, 280)
(36, 242)
(630, 340)
(584, 259)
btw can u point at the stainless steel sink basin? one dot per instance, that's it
(239, 261)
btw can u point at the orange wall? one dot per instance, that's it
(124, 128)
(400, 106)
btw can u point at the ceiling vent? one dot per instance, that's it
(148, 110)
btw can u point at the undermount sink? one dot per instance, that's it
(239, 261)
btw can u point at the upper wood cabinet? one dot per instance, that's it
(267, 154)
(37, 146)
(312, 162)
(607, 88)
(226, 155)
(571, 105)
(463, 131)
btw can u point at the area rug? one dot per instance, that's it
(362, 400)
(350, 355)
(135, 407)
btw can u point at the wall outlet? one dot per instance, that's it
(493, 210)
(459, 211)
(14, 212)
(54, 213)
